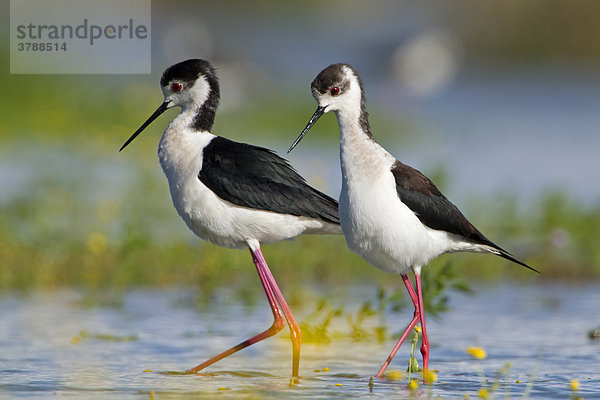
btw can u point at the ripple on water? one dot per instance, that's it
(42, 360)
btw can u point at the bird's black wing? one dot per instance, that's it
(435, 211)
(255, 177)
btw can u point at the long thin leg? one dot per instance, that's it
(425, 341)
(278, 322)
(295, 332)
(409, 328)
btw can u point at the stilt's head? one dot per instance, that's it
(188, 84)
(337, 88)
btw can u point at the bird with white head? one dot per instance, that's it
(392, 215)
(234, 194)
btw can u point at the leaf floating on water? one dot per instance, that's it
(177, 373)
(113, 338)
(83, 334)
(347, 376)
(248, 374)
(188, 372)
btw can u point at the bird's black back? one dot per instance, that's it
(257, 178)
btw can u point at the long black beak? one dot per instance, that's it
(163, 107)
(320, 111)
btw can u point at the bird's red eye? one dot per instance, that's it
(335, 91)
(176, 87)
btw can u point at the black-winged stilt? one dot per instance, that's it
(234, 194)
(391, 214)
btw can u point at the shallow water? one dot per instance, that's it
(53, 345)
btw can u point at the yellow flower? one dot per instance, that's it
(75, 339)
(418, 329)
(476, 352)
(396, 375)
(414, 384)
(325, 369)
(483, 393)
(574, 385)
(429, 377)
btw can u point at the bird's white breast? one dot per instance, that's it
(375, 222)
(207, 215)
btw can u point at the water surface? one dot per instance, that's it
(52, 344)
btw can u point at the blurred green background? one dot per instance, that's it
(496, 101)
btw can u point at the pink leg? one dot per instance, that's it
(409, 328)
(295, 332)
(425, 342)
(278, 322)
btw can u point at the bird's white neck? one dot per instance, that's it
(179, 128)
(184, 121)
(348, 120)
(179, 146)
(359, 153)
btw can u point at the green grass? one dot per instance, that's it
(58, 232)
(94, 218)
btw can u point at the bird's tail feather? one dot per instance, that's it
(505, 254)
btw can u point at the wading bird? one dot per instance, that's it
(233, 194)
(392, 215)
